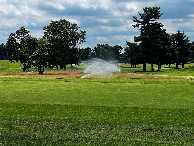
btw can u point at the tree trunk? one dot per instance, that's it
(177, 65)
(183, 65)
(159, 66)
(65, 67)
(61, 67)
(152, 67)
(41, 69)
(25, 67)
(144, 67)
(169, 65)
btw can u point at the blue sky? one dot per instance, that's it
(105, 21)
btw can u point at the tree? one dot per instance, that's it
(12, 47)
(182, 46)
(107, 52)
(20, 46)
(192, 52)
(73, 56)
(63, 38)
(170, 55)
(132, 54)
(150, 33)
(85, 53)
(3, 52)
(40, 56)
(117, 52)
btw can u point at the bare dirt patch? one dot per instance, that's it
(57, 74)
(79, 74)
(151, 76)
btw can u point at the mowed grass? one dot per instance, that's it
(165, 70)
(7, 67)
(114, 111)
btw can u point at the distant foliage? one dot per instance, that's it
(63, 40)
(107, 52)
(3, 52)
(59, 46)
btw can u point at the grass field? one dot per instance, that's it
(112, 111)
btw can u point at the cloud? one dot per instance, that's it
(56, 5)
(105, 21)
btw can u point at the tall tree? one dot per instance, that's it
(63, 38)
(132, 54)
(40, 56)
(150, 32)
(20, 46)
(192, 52)
(107, 52)
(85, 53)
(182, 46)
(117, 52)
(3, 52)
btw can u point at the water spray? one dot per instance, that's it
(101, 68)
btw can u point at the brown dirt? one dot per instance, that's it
(57, 74)
(79, 74)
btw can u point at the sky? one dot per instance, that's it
(105, 21)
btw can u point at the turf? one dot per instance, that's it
(8, 67)
(165, 70)
(116, 111)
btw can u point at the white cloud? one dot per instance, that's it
(8, 9)
(56, 4)
(102, 39)
(104, 20)
(169, 25)
(33, 24)
(37, 34)
(132, 6)
(191, 15)
(90, 4)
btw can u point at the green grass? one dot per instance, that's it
(187, 71)
(8, 67)
(115, 111)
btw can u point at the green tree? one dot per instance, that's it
(63, 38)
(117, 52)
(182, 47)
(132, 54)
(3, 52)
(192, 52)
(150, 35)
(85, 53)
(73, 56)
(40, 56)
(107, 52)
(20, 46)
(12, 47)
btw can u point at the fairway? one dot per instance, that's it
(112, 111)
(92, 73)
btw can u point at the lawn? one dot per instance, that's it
(165, 70)
(113, 111)
(7, 67)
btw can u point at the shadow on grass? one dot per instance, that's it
(129, 67)
(148, 71)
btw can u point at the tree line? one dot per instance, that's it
(60, 43)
